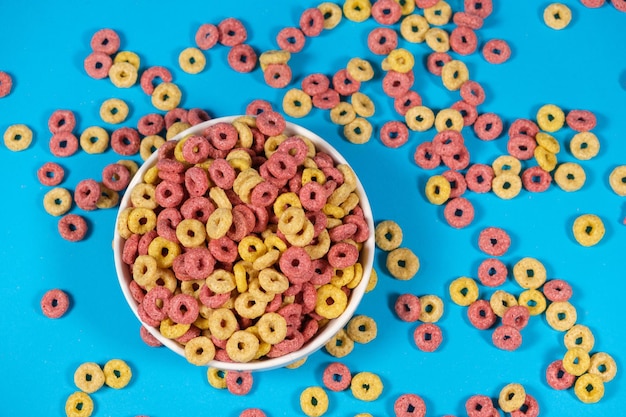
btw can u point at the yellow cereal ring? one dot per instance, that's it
(299, 362)
(123, 74)
(191, 60)
(220, 198)
(245, 139)
(250, 248)
(114, 111)
(453, 74)
(545, 159)
(216, 377)
(343, 113)
(357, 10)
(579, 336)
(358, 131)
(584, 145)
(172, 330)
(529, 273)
(617, 180)
(144, 195)
(358, 276)
(78, 404)
(413, 28)
(272, 328)
(221, 281)
(360, 69)
(313, 174)
(200, 350)
(89, 377)
(362, 104)
(297, 103)
(57, 201)
(388, 235)
(419, 118)
(128, 56)
(108, 198)
(437, 39)
(432, 308)
(449, 119)
(500, 301)
(121, 225)
(570, 176)
(342, 276)
(164, 251)
(371, 284)
(534, 300)
(550, 118)
(511, 397)
(589, 388)
(292, 220)
(249, 306)
(506, 163)
(331, 301)
(219, 222)
(273, 57)
(242, 346)
(117, 373)
(557, 16)
(437, 189)
(506, 185)
(332, 14)
(400, 60)
(362, 329)
(284, 201)
(94, 140)
(175, 129)
(463, 291)
(340, 344)
(141, 220)
(319, 249)
(18, 137)
(548, 142)
(576, 361)
(222, 323)
(366, 386)
(402, 263)
(603, 365)
(314, 401)
(561, 315)
(588, 229)
(166, 96)
(407, 7)
(149, 145)
(439, 14)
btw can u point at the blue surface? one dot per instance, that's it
(43, 45)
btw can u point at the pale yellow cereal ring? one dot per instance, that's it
(114, 111)
(388, 235)
(506, 185)
(200, 350)
(164, 251)
(360, 69)
(57, 201)
(432, 308)
(284, 201)
(249, 306)
(192, 287)
(191, 60)
(534, 300)
(453, 74)
(162, 278)
(362, 104)
(437, 189)
(579, 336)
(243, 271)
(358, 131)
(18, 137)
(222, 323)
(506, 163)
(357, 10)
(331, 301)
(166, 96)
(219, 223)
(78, 404)
(221, 281)
(407, 7)
(94, 140)
(550, 118)
(362, 329)
(314, 401)
(250, 248)
(561, 315)
(297, 103)
(319, 249)
(402, 263)
(366, 386)
(191, 233)
(342, 276)
(557, 16)
(584, 145)
(128, 56)
(413, 28)
(463, 291)
(588, 229)
(141, 220)
(371, 284)
(299, 362)
(576, 361)
(272, 328)
(292, 220)
(216, 377)
(332, 14)
(617, 180)
(89, 377)
(242, 346)
(313, 174)
(220, 198)
(343, 113)
(172, 330)
(350, 202)
(419, 118)
(448, 119)
(123, 74)
(273, 57)
(121, 225)
(339, 345)
(272, 281)
(358, 276)
(529, 273)
(149, 145)
(143, 195)
(439, 14)
(511, 397)
(175, 129)
(545, 159)
(117, 373)
(245, 139)
(500, 301)
(400, 60)
(303, 237)
(437, 39)
(274, 242)
(603, 365)
(108, 198)
(548, 142)
(570, 176)
(589, 388)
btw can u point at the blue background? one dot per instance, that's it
(43, 44)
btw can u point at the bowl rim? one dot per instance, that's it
(328, 331)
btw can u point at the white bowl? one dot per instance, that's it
(328, 331)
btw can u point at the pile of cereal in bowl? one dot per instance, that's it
(245, 242)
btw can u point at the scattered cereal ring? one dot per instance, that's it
(314, 401)
(588, 229)
(488, 126)
(437, 189)
(409, 405)
(500, 301)
(550, 118)
(511, 397)
(232, 32)
(357, 10)
(296, 103)
(311, 22)
(191, 60)
(394, 134)
(506, 185)
(239, 382)
(480, 405)
(339, 345)
(123, 74)
(584, 145)
(50, 174)
(94, 140)
(206, 36)
(516, 316)
(530, 408)
(336, 377)
(113, 111)
(6, 83)
(361, 329)
(463, 291)
(496, 51)
(529, 273)
(242, 58)
(580, 120)
(402, 263)
(557, 377)
(388, 235)
(561, 315)
(507, 338)
(72, 227)
(431, 308)
(18, 137)
(166, 96)
(413, 28)
(454, 74)
(492, 272)
(603, 365)
(589, 388)
(78, 404)
(332, 14)
(117, 373)
(617, 180)
(291, 39)
(366, 386)
(570, 176)
(252, 412)
(459, 212)
(427, 337)
(57, 201)
(54, 303)
(89, 377)
(557, 16)
(579, 336)
(481, 315)
(494, 241)
(557, 290)
(148, 77)
(105, 40)
(463, 40)
(408, 307)
(435, 62)
(437, 39)
(61, 121)
(419, 118)
(458, 185)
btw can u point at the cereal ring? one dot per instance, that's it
(479, 178)
(529, 273)
(506, 163)
(576, 361)
(125, 141)
(361, 329)
(413, 28)
(296, 103)
(494, 241)
(550, 118)
(357, 10)
(581, 120)
(534, 300)
(584, 146)
(419, 118)
(79, 404)
(536, 179)
(409, 405)
(61, 121)
(480, 405)
(530, 408)
(113, 111)
(123, 74)
(252, 412)
(388, 235)
(358, 131)
(496, 51)
(54, 303)
(500, 301)
(386, 12)
(97, 65)
(94, 140)
(191, 60)
(402, 263)
(492, 272)
(506, 185)
(117, 373)
(511, 397)
(454, 74)
(232, 32)
(459, 212)
(166, 96)
(435, 62)
(207, 36)
(557, 290)
(458, 185)
(291, 39)
(588, 229)
(106, 41)
(242, 58)
(239, 382)
(449, 119)
(72, 227)
(427, 337)
(339, 345)
(277, 75)
(311, 22)
(332, 14)
(314, 401)
(336, 377)
(216, 378)
(50, 174)
(438, 14)
(463, 291)
(617, 180)
(366, 386)
(394, 134)
(431, 308)
(557, 377)
(426, 157)
(516, 316)
(561, 315)
(18, 137)
(437, 39)
(570, 176)
(589, 388)
(603, 365)
(488, 126)
(481, 314)
(149, 75)
(557, 16)
(57, 201)
(463, 40)
(472, 93)
(506, 338)
(396, 83)
(128, 56)
(408, 307)
(89, 377)
(404, 102)
(579, 336)
(6, 83)
(360, 69)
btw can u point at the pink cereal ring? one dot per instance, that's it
(61, 121)
(492, 272)
(105, 40)
(479, 177)
(319, 220)
(516, 316)
(196, 181)
(282, 165)
(129, 251)
(183, 308)
(620, 5)
(381, 41)
(459, 212)
(557, 377)
(145, 318)
(435, 62)
(408, 307)
(86, 194)
(458, 185)
(557, 290)
(344, 84)
(148, 338)
(480, 8)
(312, 196)
(593, 4)
(496, 51)
(386, 12)
(336, 377)
(115, 176)
(409, 405)
(458, 161)
(125, 141)
(199, 208)
(223, 136)
(167, 220)
(97, 65)
(242, 58)
(6, 83)
(394, 134)
(342, 232)
(521, 146)
(222, 173)
(362, 231)
(311, 22)
(295, 147)
(315, 83)
(149, 76)
(291, 39)
(239, 382)
(488, 126)
(145, 240)
(211, 299)
(448, 142)
(50, 174)
(523, 127)
(196, 116)
(232, 32)
(291, 343)
(426, 157)
(196, 149)
(581, 120)
(175, 115)
(192, 332)
(322, 272)
(468, 111)
(270, 123)
(55, 303)
(240, 227)
(169, 194)
(150, 124)
(277, 75)
(252, 412)
(264, 194)
(258, 106)
(536, 179)
(156, 302)
(136, 291)
(494, 241)
(479, 406)
(468, 20)
(72, 227)
(472, 92)
(530, 408)
(506, 337)
(481, 315)
(427, 337)
(326, 100)
(404, 102)
(63, 144)
(342, 255)
(396, 84)
(463, 40)
(207, 36)
(296, 264)
(425, 4)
